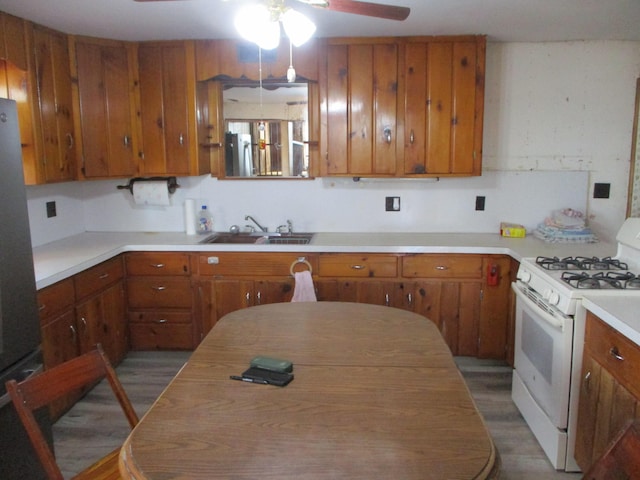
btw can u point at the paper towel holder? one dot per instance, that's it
(172, 183)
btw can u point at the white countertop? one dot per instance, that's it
(619, 311)
(61, 259)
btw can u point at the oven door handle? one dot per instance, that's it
(546, 316)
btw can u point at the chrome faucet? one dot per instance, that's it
(288, 228)
(249, 217)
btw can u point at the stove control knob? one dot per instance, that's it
(553, 298)
(524, 276)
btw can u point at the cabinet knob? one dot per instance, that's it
(587, 382)
(442, 267)
(181, 139)
(157, 265)
(159, 288)
(613, 351)
(161, 320)
(387, 134)
(125, 141)
(386, 299)
(411, 137)
(357, 267)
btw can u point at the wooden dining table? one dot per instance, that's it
(376, 395)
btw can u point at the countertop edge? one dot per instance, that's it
(618, 311)
(64, 258)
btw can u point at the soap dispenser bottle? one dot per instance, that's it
(205, 220)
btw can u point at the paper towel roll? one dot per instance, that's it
(151, 193)
(190, 216)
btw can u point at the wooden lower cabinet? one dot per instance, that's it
(230, 281)
(161, 302)
(610, 389)
(467, 296)
(79, 312)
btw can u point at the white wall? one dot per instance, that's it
(558, 118)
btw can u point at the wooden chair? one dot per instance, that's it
(621, 461)
(39, 391)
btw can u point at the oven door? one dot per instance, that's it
(543, 352)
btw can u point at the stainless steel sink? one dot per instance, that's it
(260, 238)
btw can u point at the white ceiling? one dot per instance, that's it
(500, 20)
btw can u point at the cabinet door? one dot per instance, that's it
(362, 90)
(455, 307)
(231, 295)
(167, 103)
(60, 344)
(105, 109)
(443, 104)
(102, 319)
(273, 291)
(56, 108)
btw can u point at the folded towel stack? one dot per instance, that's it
(565, 226)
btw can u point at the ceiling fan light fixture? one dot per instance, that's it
(255, 24)
(297, 26)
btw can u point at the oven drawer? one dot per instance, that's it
(614, 351)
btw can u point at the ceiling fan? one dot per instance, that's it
(378, 10)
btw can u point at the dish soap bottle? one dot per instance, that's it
(205, 221)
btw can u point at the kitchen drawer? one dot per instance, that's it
(348, 265)
(158, 263)
(442, 266)
(604, 343)
(161, 331)
(97, 278)
(255, 264)
(159, 292)
(55, 298)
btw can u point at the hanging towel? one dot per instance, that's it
(303, 291)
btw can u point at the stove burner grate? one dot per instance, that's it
(581, 263)
(601, 280)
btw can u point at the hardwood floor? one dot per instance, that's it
(95, 426)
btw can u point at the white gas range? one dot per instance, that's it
(550, 323)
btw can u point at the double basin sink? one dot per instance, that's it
(260, 238)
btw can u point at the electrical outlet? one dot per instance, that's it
(601, 190)
(51, 209)
(480, 203)
(392, 204)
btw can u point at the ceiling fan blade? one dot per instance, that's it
(389, 12)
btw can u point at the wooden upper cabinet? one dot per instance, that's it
(168, 109)
(234, 59)
(107, 110)
(14, 85)
(429, 91)
(362, 85)
(13, 48)
(443, 106)
(56, 127)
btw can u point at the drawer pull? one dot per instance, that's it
(442, 267)
(586, 382)
(613, 351)
(386, 300)
(159, 288)
(103, 276)
(161, 320)
(358, 267)
(157, 265)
